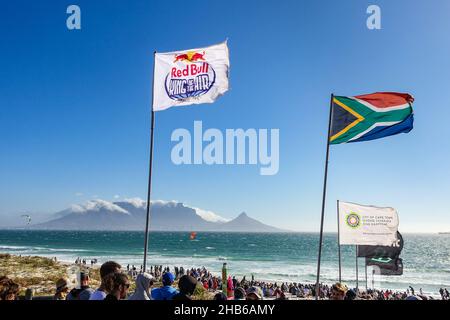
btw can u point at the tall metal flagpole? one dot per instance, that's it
(339, 243)
(323, 199)
(373, 279)
(365, 264)
(152, 126)
(356, 258)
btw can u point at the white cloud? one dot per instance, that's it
(205, 214)
(209, 215)
(136, 202)
(97, 205)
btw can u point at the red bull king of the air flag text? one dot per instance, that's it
(192, 76)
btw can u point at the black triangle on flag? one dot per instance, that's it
(341, 119)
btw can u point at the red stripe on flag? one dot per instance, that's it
(386, 99)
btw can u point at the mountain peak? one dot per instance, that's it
(242, 215)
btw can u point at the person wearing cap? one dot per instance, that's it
(351, 295)
(220, 296)
(187, 285)
(413, 297)
(254, 293)
(239, 293)
(82, 293)
(61, 289)
(144, 281)
(338, 291)
(166, 292)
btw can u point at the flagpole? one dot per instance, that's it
(323, 199)
(373, 279)
(356, 258)
(365, 264)
(152, 126)
(339, 243)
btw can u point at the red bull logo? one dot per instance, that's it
(191, 76)
(191, 56)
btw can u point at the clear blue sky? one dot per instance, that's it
(75, 106)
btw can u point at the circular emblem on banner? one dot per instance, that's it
(353, 220)
(191, 76)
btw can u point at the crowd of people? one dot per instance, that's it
(83, 262)
(115, 285)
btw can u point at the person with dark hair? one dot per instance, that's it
(84, 292)
(61, 289)
(220, 296)
(350, 295)
(239, 294)
(117, 285)
(106, 269)
(187, 285)
(166, 292)
(8, 289)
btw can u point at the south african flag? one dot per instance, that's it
(370, 116)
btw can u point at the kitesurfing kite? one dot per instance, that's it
(28, 217)
(193, 235)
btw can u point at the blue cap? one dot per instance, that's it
(168, 277)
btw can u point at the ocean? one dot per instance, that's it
(273, 257)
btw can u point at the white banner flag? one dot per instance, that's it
(367, 225)
(190, 77)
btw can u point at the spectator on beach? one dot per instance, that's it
(61, 289)
(230, 287)
(350, 295)
(117, 285)
(8, 289)
(187, 285)
(144, 282)
(239, 294)
(166, 292)
(220, 296)
(82, 293)
(338, 291)
(106, 269)
(254, 293)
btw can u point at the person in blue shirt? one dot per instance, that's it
(166, 292)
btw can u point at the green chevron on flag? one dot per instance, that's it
(371, 116)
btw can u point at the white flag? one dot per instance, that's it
(367, 225)
(190, 77)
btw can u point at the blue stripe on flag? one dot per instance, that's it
(381, 132)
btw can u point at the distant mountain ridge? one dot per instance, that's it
(130, 214)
